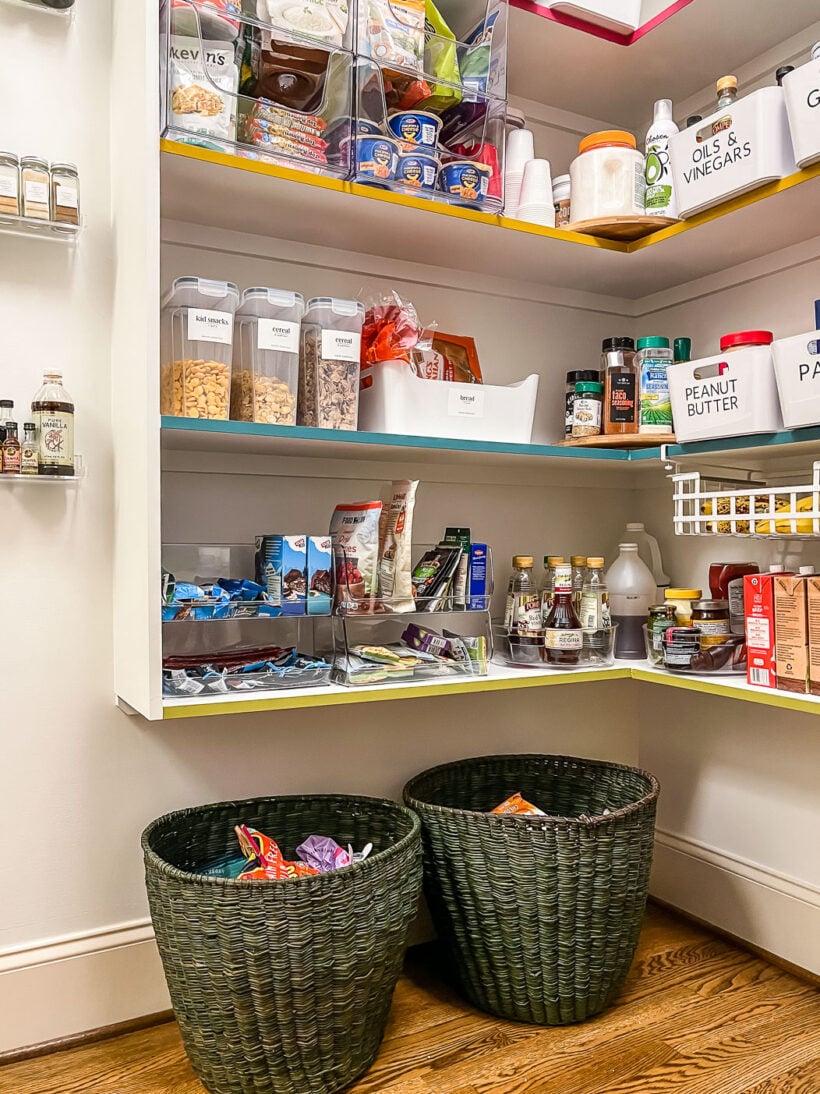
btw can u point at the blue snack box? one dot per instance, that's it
(478, 581)
(319, 575)
(281, 567)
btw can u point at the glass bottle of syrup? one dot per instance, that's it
(53, 413)
(11, 450)
(563, 637)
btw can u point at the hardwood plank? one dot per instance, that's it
(698, 1015)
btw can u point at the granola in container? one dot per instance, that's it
(330, 363)
(265, 380)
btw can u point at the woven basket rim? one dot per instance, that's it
(376, 858)
(530, 819)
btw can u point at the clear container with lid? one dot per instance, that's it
(265, 377)
(9, 185)
(65, 196)
(196, 345)
(330, 364)
(607, 177)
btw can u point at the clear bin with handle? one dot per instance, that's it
(265, 379)
(197, 347)
(329, 370)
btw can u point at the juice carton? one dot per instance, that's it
(758, 592)
(813, 613)
(792, 632)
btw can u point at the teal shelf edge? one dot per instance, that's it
(391, 440)
(750, 441)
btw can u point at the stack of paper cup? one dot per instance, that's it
(520, 151)
(535, 203)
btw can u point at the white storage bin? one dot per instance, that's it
(728, 395)
(622, 16)
(734, 150)
(801, 90)
(797, 370)
(394, 400)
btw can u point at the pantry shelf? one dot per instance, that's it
(263, 199)
(47, 231)
(751, 451)
(729, 687)
(202, 434)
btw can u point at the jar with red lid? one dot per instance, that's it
(745, 339)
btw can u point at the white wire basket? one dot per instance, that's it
(762, 512)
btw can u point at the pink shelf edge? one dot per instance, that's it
(602, 32)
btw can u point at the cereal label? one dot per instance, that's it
(341, 345)
(277, 335)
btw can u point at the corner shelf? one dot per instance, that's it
(48, 231)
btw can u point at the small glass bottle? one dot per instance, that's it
(6, 415)
(726, 91)
(34, 187)
(550, 563)
(11, 450)
(65, 195)
(620, 386)
(29, 456)
(523, 613)
(9, 185)
(563, 637)
(594, 613)
(586, 410)
(579, 576)
(53, 413)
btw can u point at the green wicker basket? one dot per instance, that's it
(540, 915)
(283, 987)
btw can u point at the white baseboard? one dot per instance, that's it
(79, 983)
(83, 982)
(772, 911)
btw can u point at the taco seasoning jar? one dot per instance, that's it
(9, 185)
(34, 188)
(65, 195)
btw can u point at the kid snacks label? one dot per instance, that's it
(210, 326)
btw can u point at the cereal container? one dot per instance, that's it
(329, 372)
(196, 348)
(265, 378)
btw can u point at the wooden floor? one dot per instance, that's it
(697, 1016)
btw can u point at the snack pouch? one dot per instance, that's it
(265, 860)
(441, 60)
(484, 69)
(323, 854)
(204, 83)
(395, 541)
(392, 32)
(354, 529)
(325, 20)
(515, 804)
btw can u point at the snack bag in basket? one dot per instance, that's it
(515, 804)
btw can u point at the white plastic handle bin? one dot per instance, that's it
(728, 395)
(736, 149)
(801, 90)
(394, 400)
(797, 370)
(622, 16)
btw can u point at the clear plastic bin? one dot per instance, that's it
(265, 380)
(329, 370)
(197, 348)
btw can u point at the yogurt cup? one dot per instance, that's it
(418, 170)
(465, 179)
(415, 129)
(376, 156)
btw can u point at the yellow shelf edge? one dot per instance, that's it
(282, 701)
(716, 212)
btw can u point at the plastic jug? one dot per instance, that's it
(650, 554)
(631, 591)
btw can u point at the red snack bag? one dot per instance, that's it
(390, 331)
(265, 860)
(515, 804)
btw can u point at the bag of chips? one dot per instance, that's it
(354, 529)
(395, 542)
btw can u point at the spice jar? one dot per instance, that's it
(329, 368)
(577, 376)
(34, 188)
(661, 618)
(561, 197)
(607, 177)
(65, 194)
(680, 645)
(196, 346)
(711, 617)
(9, 184)
(586, 411)
(682, 600)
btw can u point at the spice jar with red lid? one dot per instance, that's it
(745, 339)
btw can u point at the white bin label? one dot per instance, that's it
(341, 345)
(719, 146)
(465, 401)
(210, 326)
(278, 335)
(716, 393)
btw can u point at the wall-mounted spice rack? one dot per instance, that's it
(30, 480)
(48, 230)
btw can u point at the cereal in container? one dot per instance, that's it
(265, 379)
(197, 347)
(329, 369)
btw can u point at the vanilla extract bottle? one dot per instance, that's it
(53, 413)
